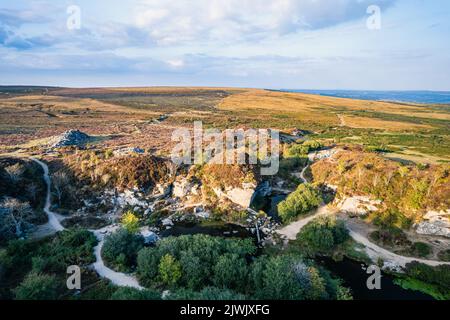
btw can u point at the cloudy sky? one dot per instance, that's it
(304, 44)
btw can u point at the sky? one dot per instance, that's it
(291, 44)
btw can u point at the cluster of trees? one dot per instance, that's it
(322, 235)
(300, 150)
(300, 202)
(37, 269)
(205, 267)
(438, 277)
(121, 248)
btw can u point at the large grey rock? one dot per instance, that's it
(70, 138)
(435, 223)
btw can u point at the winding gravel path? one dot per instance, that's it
(117, 278)
(373, 251)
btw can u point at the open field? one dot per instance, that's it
(28, 114)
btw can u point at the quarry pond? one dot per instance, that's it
(354, 275)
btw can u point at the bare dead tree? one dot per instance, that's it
(15, 215)
(60, 182)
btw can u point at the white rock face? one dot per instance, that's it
(436, 224)
(184, 187)
(359, 205)
(241, 196)
(323, 154)
(128, 151)
(128, 198)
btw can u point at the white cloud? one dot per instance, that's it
(196, 20)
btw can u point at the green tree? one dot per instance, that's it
(169, 270)
(121, 248)
(230, 271)
(37, 286)
(130, 222)
(300, 202)
(322, 234)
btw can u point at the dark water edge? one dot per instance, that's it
(432, 97)
(355, 277)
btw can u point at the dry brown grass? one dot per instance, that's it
(364, 122)
(325, 109)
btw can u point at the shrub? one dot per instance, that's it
(323, 234)
(130, 222)
(438, 276)
(286, 277)
(300, 202)
(169, 270)
(297, 151)
(421, 249)
(444, 255)
(69, 247)
(120, 249)
(37, 286)
(127, 293)
(230, 271)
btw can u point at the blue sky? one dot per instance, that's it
(308, 44)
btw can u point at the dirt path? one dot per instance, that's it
(342, 120)
(373, 251)
(54, 225)
(53, 218)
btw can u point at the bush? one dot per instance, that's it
(230, 271)
(120, 249)
(390, 236)
(297, 151)
(421, 249)
(323, 234)
(169, 270)
(444, 255)
(438, 276)
(37, 286)
(300, 202)
(127, 293)
(130, 222)
(69, 247)
(286, 277)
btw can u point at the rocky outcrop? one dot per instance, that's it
(150, 237)
(183, 187)
(435, 223)
(128, 151)
(358, 205)
(70, 138)
(241, 196)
